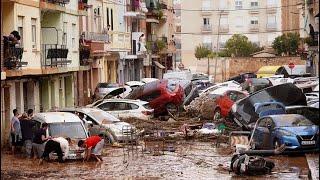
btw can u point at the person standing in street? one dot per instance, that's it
(58, 145)
(15, 132)
(39, 140)
(93, 147)
(27, 125)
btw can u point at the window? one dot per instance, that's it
(64, 37)
(73, 130)
(34, 32)
(271, 3)
(207, 41)
(223, 21)
(254, 4)
(206, 5)
(222, 4)
(109, 106)
(206, 21)
(238, 4)
(20, 28)
(73, 36)
(133, 106)
(254, 20)
(271, 22)
(111, 11)
(239, 21)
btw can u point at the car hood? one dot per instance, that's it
(301, 130)
(118, 126)
(287, 94)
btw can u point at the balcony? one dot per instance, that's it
(136, 45)
(54, 5)
(136, 10)
(253, 27)
(83, 7)
(271, 26)
(12, 58)
(223, 12)
(54, 55)
(206, 10)
(271, 9)
(224, 28)
(254, 10)
(206, 28)
(158, 46)
(120, 41)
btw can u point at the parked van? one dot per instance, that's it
(64, 124)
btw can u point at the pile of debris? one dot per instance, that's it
(201, 107)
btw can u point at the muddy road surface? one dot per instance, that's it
(191, 160)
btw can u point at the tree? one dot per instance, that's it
(286, 44)
(239, 46)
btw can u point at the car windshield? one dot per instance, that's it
(103, 117)
(293, 121)
(73, 130)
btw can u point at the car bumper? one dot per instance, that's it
(71, 156)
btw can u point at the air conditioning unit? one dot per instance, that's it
(97, 11)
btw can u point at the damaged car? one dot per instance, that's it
(101, 122)
(243, 111)
(295, 131)
(256, 84)
(120, 92)
(190, 90)
(125, 108)
(159, 96)
(224, 98)
(63, 124)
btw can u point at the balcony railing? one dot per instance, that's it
(58, 2)
(206, 28)
(206, 10)
(92, 36)
(120, 40)
(12, 57)
(271, 26)
(224, 28)
(253, 27)
(54, 55)
(208, 45)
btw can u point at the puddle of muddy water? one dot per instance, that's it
(191, 160)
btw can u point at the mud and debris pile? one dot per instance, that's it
(202, 107)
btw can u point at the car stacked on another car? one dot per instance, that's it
(125, 108)
(159, 96)
(103, 88)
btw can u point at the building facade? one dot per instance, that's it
(212, 23)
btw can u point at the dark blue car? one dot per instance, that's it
(294, 130)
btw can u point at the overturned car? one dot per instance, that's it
(243, 111)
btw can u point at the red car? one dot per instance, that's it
(160, 98)
(224, 98)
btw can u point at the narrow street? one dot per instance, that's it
(191, 160)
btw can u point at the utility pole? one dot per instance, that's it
(215, 63)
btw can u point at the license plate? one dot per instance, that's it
(308, 142)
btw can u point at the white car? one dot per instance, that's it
(64, 124)
(102, 122)
(230, 84)
(120, 92)
(312, 95)
(125, 108)
(135, 84)
(147, 80)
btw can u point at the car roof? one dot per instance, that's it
(84, 110)
(281, 117)
(56, 117)
(125, 100)
(222, 90)
(300, 106)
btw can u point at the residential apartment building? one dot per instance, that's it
(160, 36)
(41, 70)
(212, 23)
(309, 15)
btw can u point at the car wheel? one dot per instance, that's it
(276, 144)
(172, 110)
(217, 114)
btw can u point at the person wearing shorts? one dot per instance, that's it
(93, 147)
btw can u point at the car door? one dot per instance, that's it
(126, 110)
(262, 134)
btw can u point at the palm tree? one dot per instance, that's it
(203, 52)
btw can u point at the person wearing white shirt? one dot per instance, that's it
(58, 145)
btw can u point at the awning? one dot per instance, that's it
(151, 20)
(158, 65)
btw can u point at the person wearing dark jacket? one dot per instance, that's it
(27, 125)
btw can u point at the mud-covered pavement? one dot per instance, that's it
(191, 160)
